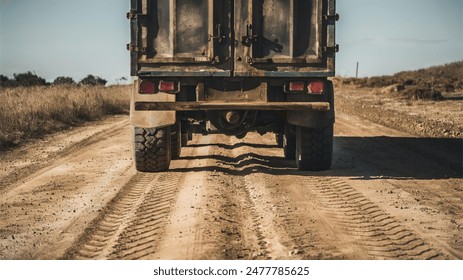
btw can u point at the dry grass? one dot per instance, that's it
(35, 111)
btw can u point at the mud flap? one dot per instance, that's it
(310, 119)
(151, 119)
(313, 119)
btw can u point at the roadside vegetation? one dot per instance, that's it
(31, 108)
(425, 102)
(422, 84)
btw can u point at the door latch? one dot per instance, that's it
(136, 15)
(219, 37)
(249, 38)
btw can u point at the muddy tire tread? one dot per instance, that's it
(152, 149)
(314, 148)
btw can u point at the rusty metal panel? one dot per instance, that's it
(188, 35)
(178, 31)
(258, 94)
(192, 28)
(289, 30)
(282, 36)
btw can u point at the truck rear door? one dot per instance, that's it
(244, 38)
(180, 37)
(280, 37)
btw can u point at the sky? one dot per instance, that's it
(76, 38)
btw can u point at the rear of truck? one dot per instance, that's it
(232, 67)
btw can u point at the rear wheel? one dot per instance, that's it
(152, 149)
(314, 148)
(289, 142)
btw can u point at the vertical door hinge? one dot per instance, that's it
(332, 49)
(331, 18)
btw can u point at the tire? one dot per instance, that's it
(289, 142)
(152, 149)
(314, 148)
(175, 141)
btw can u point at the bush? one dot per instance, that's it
(6, 82)
(63, 81)
(91, 80)
(3, 80)
(29, 79)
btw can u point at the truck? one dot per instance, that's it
(232, 67)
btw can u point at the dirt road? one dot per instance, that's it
(389, 195)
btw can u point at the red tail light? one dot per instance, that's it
(170, 87)
(296, 86)
(147, 87)
(316, 87)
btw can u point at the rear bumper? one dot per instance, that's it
(208, 105)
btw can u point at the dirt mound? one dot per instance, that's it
(393, 88)
(422, 93)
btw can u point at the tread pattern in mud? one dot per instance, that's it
(43, 166)
(295, 229)
(130, 226)
(261, 248)
(139, 239)
(378, 233)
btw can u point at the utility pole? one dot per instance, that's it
(357, 71)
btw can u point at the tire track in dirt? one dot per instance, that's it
(226, 225)
(238, 232)
(214, 216)
(72, 176)
(288, 225)
(103, 231)
(268, 219)
(312, 216)
(443, 202)
(379, 234)
(262, 239)
(302, 231)
(129, 226)
(254, 243)
(54, 159)
(139, 238)
(272, 228)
